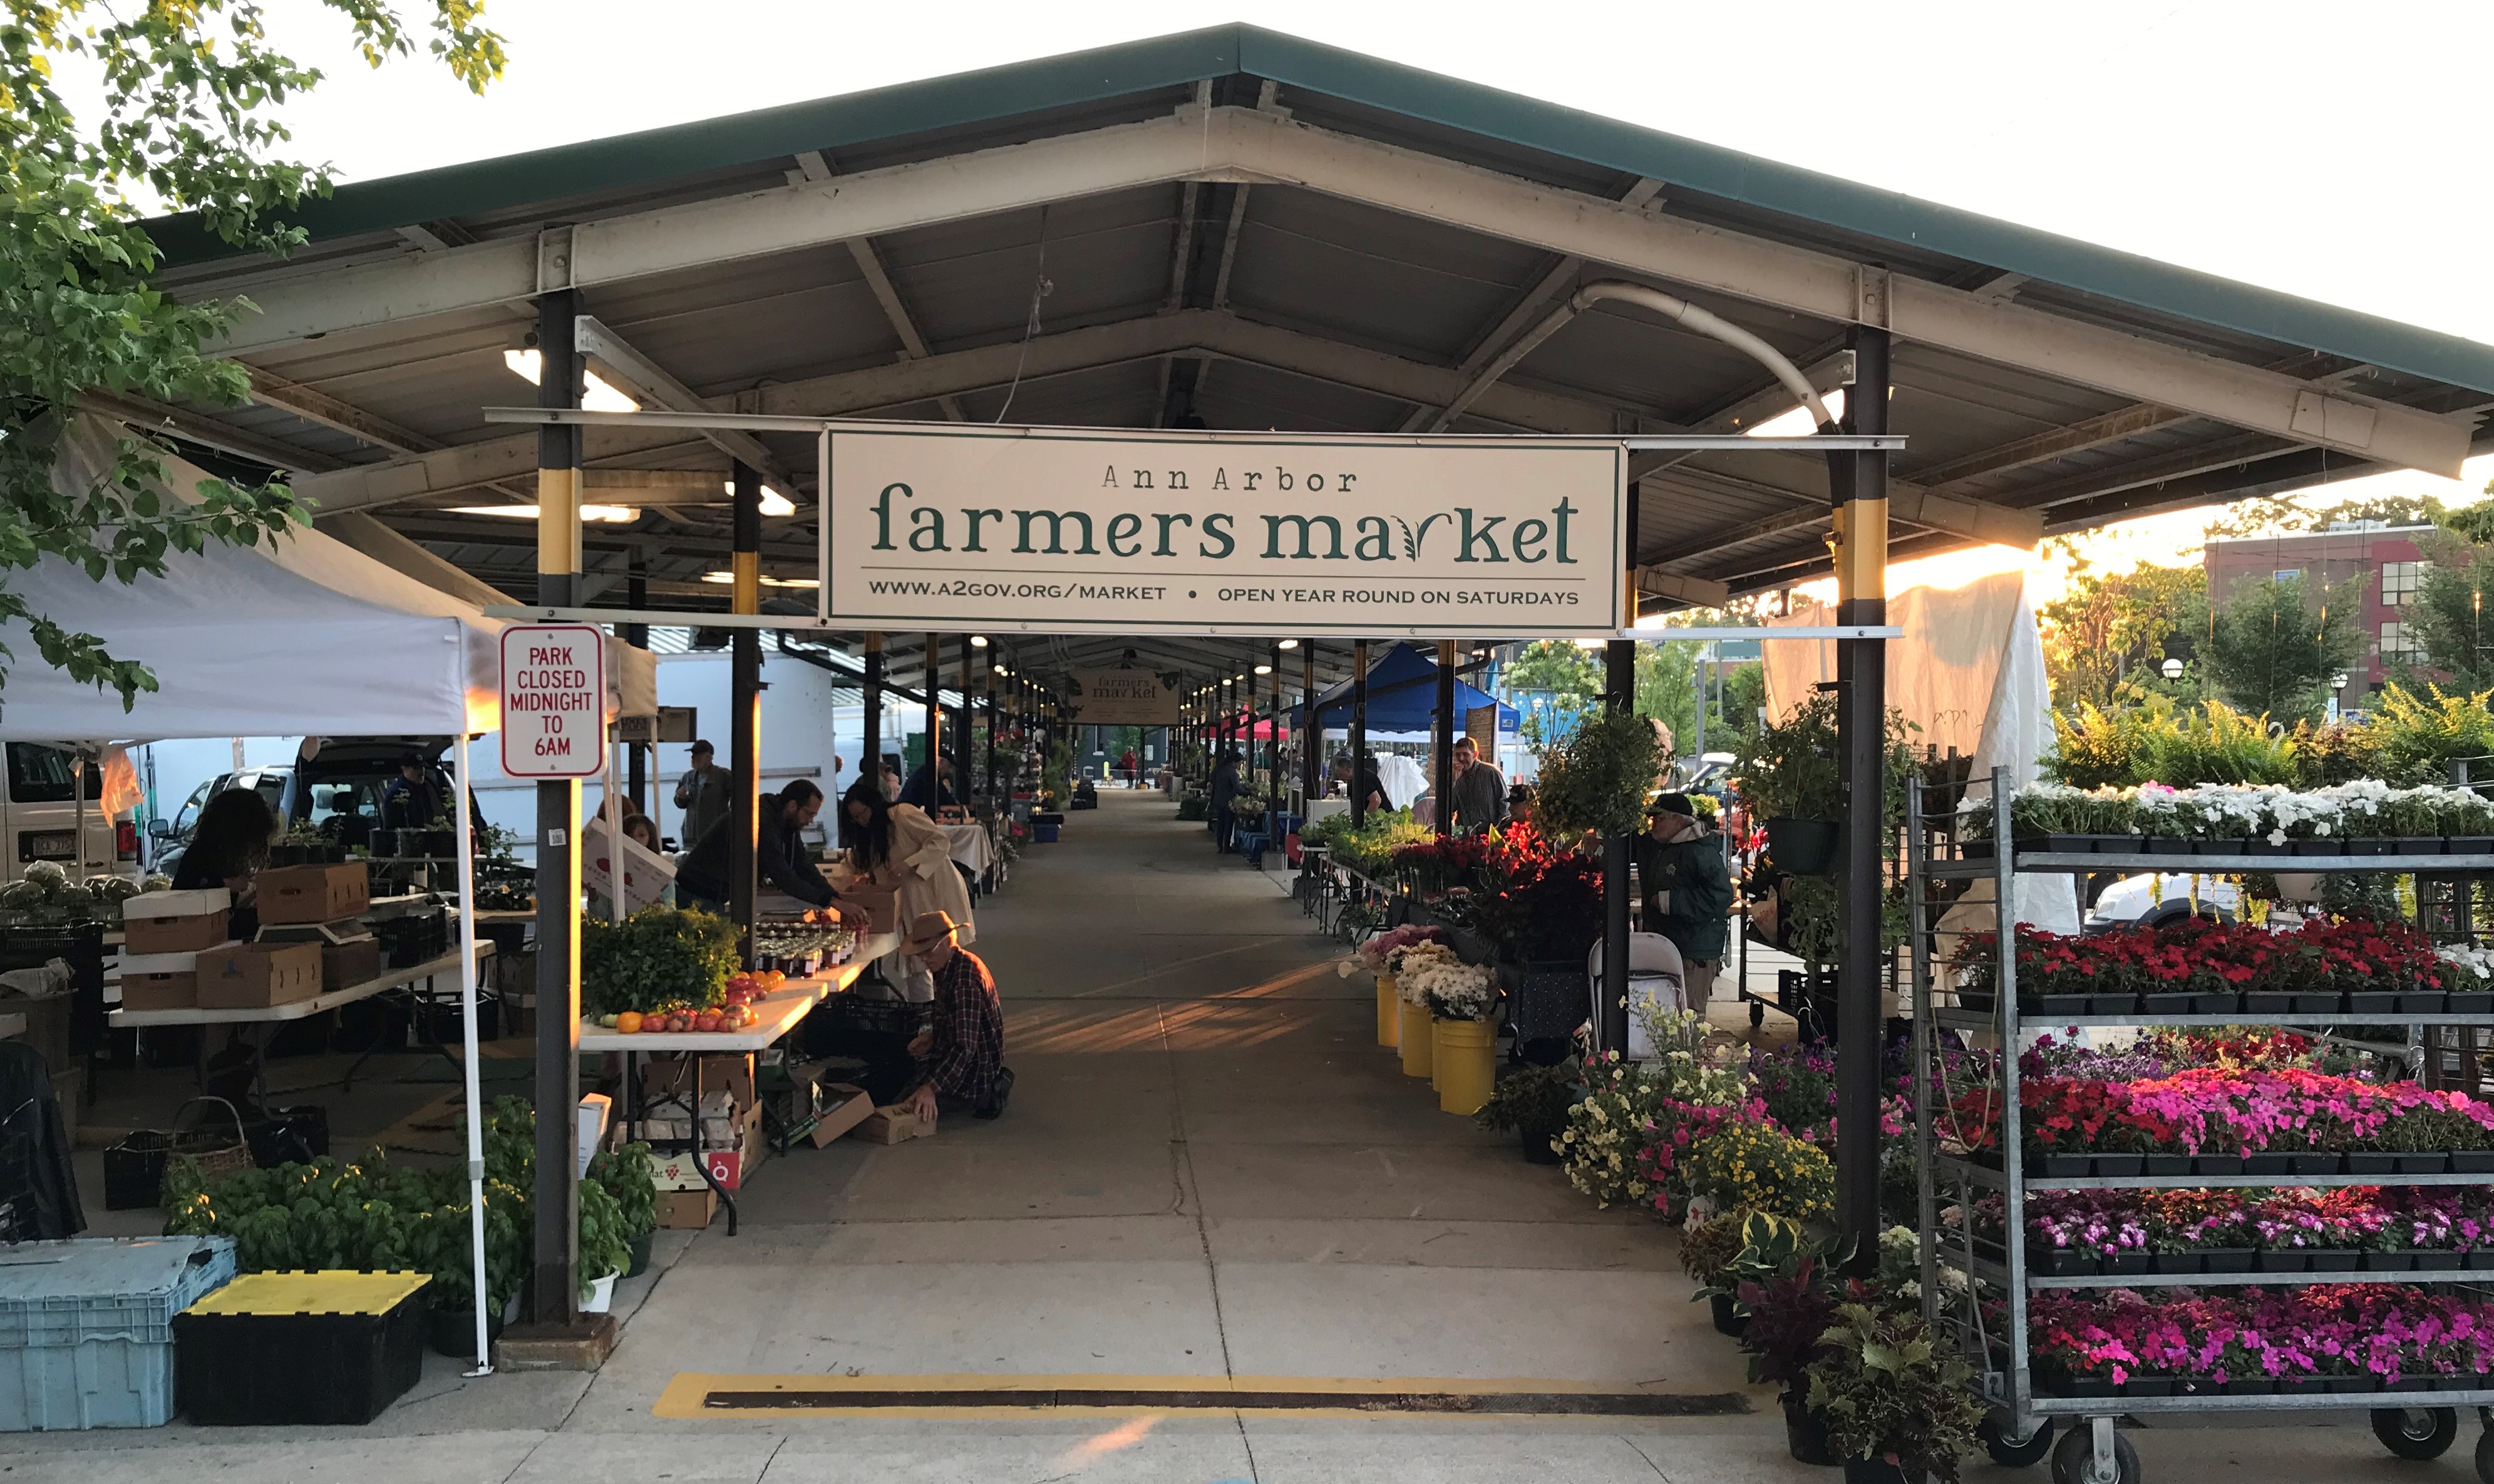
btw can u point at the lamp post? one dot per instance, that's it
(2172, 669)
(2337, 695)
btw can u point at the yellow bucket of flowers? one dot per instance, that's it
(1389, 1013)
(1420, 1045)
(1466, 1070)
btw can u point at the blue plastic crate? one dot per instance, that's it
(1043, 835)
(86, 1328)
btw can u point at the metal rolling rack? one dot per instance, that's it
(1987, 1319)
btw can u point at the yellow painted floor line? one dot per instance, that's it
(693, 1395)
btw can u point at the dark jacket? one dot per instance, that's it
(778, 858)
(1693, 873)
(923, 791)
(41, 1192)
(1223, 787)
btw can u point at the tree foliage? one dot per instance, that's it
(2106, 637)
(189, 124)
(2279, 645)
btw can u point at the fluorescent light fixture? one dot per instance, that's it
(978, 641)
(1288, 644)
(1264, 668)
(1797, 422)
(596, 395)
(724, 579)
(612, 515)
(772, 501)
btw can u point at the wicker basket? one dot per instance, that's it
(133, 1169)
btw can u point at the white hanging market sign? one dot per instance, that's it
(1052, 530)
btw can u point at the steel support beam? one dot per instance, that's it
(1859, 483)
(1248, 145)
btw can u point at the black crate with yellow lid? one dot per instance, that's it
(300, 1349)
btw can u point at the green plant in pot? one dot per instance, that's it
(1788, 777)
(656, 958)
(1535, 1103)
(1898, 1408)
(628, 1175)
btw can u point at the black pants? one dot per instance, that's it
(1225, 830)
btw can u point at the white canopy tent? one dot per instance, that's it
(306, 636)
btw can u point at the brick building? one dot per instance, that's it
(2386, 558)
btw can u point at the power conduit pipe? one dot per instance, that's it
(1681, 311)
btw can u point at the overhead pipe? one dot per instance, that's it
(1703, 321)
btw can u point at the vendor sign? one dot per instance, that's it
(1066, 530)
(554, 701)
(1120, 698)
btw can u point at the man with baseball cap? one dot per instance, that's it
(1688, 892)
(962, 1057)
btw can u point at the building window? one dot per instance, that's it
(2400, 583)
(2398, 648)
(2286, 574)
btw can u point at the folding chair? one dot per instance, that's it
(1655, 969)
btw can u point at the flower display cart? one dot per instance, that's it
(2393, 1328)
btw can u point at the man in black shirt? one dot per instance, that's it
(778, 855)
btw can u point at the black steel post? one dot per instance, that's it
(745, 697)
(1311, 734)
(996, 799)
(1862, 558)
(1441, 739)
(1618, 682)
(555, 1242)
(1358, 732)
(1273, 748)
(636, 755)
(870, 697)
(934, 689)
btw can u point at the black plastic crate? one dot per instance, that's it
(258, 1369)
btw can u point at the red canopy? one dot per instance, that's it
(1262, 731)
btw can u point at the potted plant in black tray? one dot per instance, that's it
(2262, 1003)
(1898, 1407)
(2373, 1002)
(2268, 1161)
(2334, 1259)
(2052, 1007)
(2170, 1002)
(1534, 1101)
(2283, 1260)
(2309, 1002)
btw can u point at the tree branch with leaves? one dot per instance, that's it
(189, 123)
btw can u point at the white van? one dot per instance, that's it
(38, 816)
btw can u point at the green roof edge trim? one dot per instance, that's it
(1188, 57)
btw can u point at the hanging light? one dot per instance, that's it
(613, 515)
(978, 641)
(1288, 644)
(1264, 668)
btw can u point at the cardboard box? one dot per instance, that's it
(730, 1167)
(161, 992)
(258, 976)
(175, 921)
(895, 1124)
(882, 905)
(688, 1210)
(315, 893)
(844, 1107)
(357, 960)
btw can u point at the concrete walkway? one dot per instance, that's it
(1210, 1171)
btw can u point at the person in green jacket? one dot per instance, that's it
(1688, 892)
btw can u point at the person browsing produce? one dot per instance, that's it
(778, 855)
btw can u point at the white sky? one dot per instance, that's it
(2327, 150)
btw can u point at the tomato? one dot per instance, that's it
(707, 1021)
(628, 1022)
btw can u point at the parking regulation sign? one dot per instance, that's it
(554, 695)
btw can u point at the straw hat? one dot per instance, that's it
(928, 930)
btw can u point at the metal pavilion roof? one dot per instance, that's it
(1256, 231)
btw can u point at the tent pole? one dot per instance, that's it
(1273, 744)
(636, 597)
(469, 1075)
(871, 768)
(612, 807)
(555, 1294)
(934, 667)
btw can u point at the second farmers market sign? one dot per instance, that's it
(1064, 530)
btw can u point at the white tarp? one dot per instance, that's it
(1969, 671)
(311, 638)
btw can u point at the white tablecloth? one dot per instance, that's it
(971, 847)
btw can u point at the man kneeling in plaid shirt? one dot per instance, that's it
(962, 1057)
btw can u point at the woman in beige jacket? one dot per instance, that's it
(896, 847)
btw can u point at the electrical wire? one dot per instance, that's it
(1040, 288)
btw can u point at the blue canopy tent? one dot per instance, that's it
(1403, 700)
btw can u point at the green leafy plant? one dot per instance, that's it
(630, 1175)
(1709, 1248)
(1890, 1392)
(1534, 1099)
(1757, 1167)
(2421, 734)
(657, 957)
(606, 1245)
(1788, 770)
(1597, 779)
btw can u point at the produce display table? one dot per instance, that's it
(781, 1010)
(416, 980)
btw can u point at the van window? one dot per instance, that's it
(40, 774)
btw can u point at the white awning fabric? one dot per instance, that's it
(307, 637)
